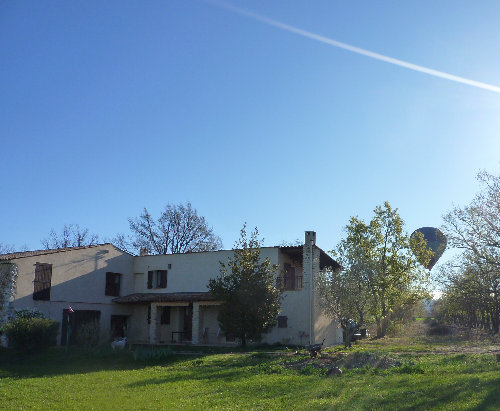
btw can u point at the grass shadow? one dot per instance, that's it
(56, 361)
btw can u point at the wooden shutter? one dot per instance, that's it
(163, 283)
(109, 283)
(150, 279)
(42, 283)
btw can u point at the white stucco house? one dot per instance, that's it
(163, 299)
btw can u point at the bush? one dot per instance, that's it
(152, 353)
(28, 313)
(439, 329)
(31, 334)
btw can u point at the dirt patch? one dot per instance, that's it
(368, 359)
(346, 361)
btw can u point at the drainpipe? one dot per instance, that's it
(310, 241)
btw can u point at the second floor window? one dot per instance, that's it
(157, 279)
(112, 284)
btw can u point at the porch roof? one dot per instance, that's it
(140, 298)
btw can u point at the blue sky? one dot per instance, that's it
(108, 107)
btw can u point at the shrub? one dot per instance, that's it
(439, 329)
(152, 353)
(31, 334)
(28, 313)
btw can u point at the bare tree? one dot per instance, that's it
(179, 229)
(475, 230)
(71, 235)
(6, 248)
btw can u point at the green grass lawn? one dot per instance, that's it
(246, 381)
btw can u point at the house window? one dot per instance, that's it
(42, 282)
(112, 284)
(157, 279)
(282, 321)
(165, 316)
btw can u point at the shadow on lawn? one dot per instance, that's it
(435, 397)
(56, 361)
(228, 369)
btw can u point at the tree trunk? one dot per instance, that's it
(380, 331)
(382, 324)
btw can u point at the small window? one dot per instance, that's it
(42, 282)
(112, 284)
(282, 321)
(157, 279)
(165, 316)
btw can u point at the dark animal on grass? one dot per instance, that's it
(334, 371)
(314, 349)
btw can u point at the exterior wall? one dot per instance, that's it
(78, 280)
(190, 272)
(324, 329)
(294, 305)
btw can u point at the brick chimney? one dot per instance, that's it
(143, 251)
(310, 238)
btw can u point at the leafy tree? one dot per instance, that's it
(381, 268)
(179, 229)
(397, 276)
(344, 293)
(71, 235)
(247, 287)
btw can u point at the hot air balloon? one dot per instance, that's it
(436, 241)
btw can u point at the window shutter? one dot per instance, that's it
(150, 279)
(42, 283)
(163, 279)
(109, 283)
(112, 284)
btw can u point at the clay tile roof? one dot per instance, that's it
(139, 298)
(23, 254)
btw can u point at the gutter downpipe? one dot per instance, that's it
(310, 268)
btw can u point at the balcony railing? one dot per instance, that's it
(290, 283)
